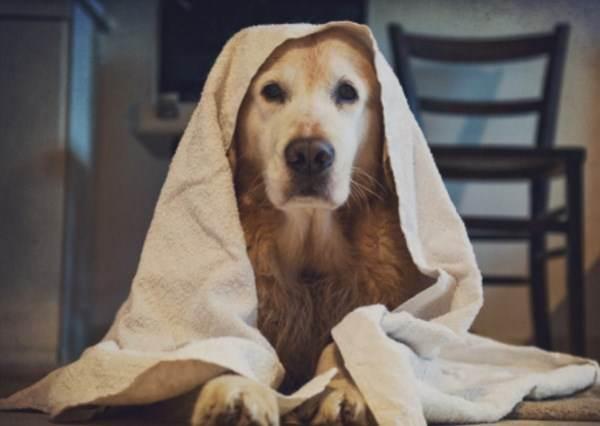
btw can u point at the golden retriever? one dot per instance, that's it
(319, 212)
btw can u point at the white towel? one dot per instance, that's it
(191, 313)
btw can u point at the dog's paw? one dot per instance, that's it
(235, 400)
(342, 405)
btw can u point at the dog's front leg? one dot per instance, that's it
(235, 400)
(341, 403)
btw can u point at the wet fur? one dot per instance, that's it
(314, 266)
(307, 283)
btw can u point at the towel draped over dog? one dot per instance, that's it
(191, 313)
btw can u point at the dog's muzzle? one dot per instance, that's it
(309, 160)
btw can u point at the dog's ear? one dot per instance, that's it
(232, 154)
(388, 174)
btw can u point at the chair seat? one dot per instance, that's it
(503, 162)
(516, 226)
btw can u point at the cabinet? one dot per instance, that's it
(46, 190)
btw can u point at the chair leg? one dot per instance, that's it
(575, 263)
(539, 296)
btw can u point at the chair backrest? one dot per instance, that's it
(553, 45)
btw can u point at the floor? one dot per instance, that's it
(34, 419)
(9, 384)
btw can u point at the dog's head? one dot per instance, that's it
(311, 121)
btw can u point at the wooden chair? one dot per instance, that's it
(536, 164)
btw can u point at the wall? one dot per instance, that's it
(128, 178)
(505, 315)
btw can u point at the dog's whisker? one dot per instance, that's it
(366, 190)
(362, 194)
(351, 199)
(365, 180)
(256, 188)
(358, 192)
(370, 178)
(376, 183)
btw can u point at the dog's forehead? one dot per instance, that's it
(316, 57)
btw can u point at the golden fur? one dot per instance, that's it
(318, 258)
(314, 265)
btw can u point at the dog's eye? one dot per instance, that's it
(345, 93)
(273, 92)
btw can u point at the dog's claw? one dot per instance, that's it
(234, 400)
(343, 405)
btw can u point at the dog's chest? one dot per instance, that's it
(302, 297)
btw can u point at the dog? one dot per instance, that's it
(319, 211)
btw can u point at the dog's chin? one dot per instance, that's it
(304, 202)
(306, 199)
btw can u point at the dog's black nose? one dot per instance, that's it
(309, 156)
